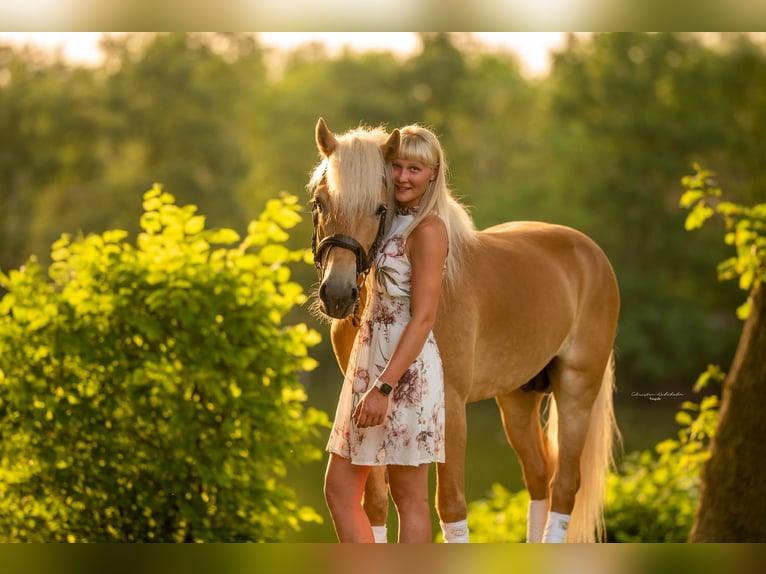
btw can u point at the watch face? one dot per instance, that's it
(384, 388)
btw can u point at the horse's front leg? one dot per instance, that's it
(520, 411)
(450, 475)
(375, 501)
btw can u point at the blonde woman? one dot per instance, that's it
(391, 408)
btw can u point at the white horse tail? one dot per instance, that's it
(587, 521)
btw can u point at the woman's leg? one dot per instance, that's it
(343, 490)
(409, 489)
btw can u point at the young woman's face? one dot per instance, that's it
(411, 178)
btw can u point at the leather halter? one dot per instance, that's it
(363, 259)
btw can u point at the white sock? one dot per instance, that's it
(380, 533)
(455, 532)
(537, 515)
(556, 527)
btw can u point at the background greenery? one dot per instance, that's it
(600, 143)
(150, 392)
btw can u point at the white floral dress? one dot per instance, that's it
(413, 430)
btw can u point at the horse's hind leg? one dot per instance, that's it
(520, 412)
(585, 430)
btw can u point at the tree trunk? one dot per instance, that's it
(732, 506)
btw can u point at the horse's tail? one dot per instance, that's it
(587, 521)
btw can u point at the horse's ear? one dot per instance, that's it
(326, 141)
(390, 149)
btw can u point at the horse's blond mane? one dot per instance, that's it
(355, 171)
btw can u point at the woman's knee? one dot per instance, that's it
(335, 492)
(344, 483)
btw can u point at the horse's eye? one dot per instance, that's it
(381, 209)
(316, 205)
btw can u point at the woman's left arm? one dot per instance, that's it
(427, 251)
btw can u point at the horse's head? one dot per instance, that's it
(350, 198)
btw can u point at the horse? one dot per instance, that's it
(532, 314)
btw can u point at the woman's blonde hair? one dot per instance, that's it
(421, 144)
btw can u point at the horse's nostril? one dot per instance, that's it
(323, 292)
(354, 294)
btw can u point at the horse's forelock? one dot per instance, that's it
(355, 170)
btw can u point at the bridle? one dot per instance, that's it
(364, 258)
(320, 249)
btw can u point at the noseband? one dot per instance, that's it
(363, 259)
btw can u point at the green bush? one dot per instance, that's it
(745, 230)
(500, 518)
(652, 497)
(151, 392)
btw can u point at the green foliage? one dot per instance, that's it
(500, 518)
(651, 497)
(150, 392)
(745, 230)
(625, 111)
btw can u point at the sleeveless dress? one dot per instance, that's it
(413, 429)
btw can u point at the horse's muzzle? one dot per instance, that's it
(337, 299)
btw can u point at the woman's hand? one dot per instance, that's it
(371, 410)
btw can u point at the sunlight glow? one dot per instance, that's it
(532, 48)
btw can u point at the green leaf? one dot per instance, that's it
(743, 311)
(683, 418)
(699, 214)
(223, 236)
(194, 225)
(690, 197)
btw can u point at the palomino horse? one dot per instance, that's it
(534, 309)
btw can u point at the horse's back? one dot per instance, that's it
(557, 255)
(526, 290)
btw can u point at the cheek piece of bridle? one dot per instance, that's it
(364, 258)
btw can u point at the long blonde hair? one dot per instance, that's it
(421, 144)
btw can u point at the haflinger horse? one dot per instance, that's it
(532, 314)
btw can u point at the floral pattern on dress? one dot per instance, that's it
(413, 430)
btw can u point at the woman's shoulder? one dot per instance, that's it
(430, 223)
(431, 230)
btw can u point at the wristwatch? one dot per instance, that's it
(383, 387)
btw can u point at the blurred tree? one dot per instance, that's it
(175, 109)
(494, 143)
(627, 111)
(48, 128)
(732, 492)
(431, 78)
